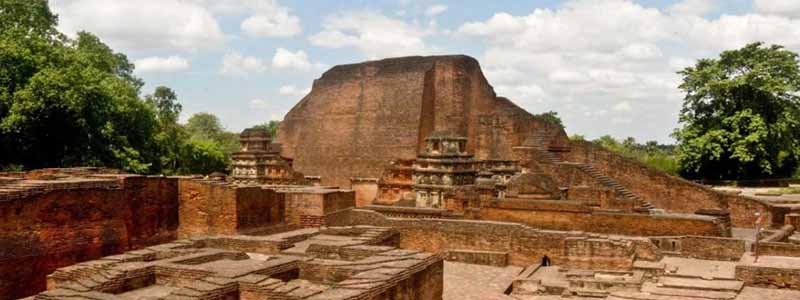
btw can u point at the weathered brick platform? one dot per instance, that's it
(336, 263)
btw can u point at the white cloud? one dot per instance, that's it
(374, 34)
(582, 62)
(263, 18)
(735, 31)
(236, 64)
(277, 25)
(787, 8)
(623, 106)
(142, 25)
(156, 64)
(568, 77)
(285, 59)
(291, 90)
(693, 7)
(259, 104)
(434, 10)
(641, 51)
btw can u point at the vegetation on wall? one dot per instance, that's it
(659, 156)
(550, 117)
(741, 115)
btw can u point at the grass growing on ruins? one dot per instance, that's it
(790, 190)
(651, 153)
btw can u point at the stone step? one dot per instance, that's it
(644, 296)
(653, 288)
(700, 284)
(584, 292)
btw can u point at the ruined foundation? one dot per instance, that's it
(393, 176)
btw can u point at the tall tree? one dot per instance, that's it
(66, 102)
(206, 126)
(741, 115)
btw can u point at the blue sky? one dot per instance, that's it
(606, 66)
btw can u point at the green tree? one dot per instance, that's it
(652, 153)
(741, 115)
(207, 126)
(550, 117)
(75, 102)
(201, 157)
(271, 126)
(29, 17)
(66, 102)
(204, 125)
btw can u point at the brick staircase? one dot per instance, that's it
(539, 140)
(619, 189)
(616, 186)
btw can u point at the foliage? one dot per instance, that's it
(207, 126)
(271, 126)
(550, 117)
(202, 157)
(790, 190)
(65, 102)
(651, 153)
(741, 115)
(75, 102)
(577, 137)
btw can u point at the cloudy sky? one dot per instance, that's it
(606, 66)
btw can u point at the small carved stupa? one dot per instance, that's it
(259, 161)
(443, 165)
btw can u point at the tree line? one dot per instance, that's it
(75, 102)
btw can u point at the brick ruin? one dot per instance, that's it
(383, 176)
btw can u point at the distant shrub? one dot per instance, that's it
(653, 154)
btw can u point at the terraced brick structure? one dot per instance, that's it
(403, 178)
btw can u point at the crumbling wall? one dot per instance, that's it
(524, 245)
(61, 227)
(211, 207)
(366, 190)
(702, 247)
(573, 215)
(311, 207)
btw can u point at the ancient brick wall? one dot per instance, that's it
(209, 207)
(359, 117)
(665, 191)
(206, 208)
(779, 249)
(572, 215)
(366, 190)
(60, 227)
(523, 245)
(702, 247)
(311, 206)
(258, 208)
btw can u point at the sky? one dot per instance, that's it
(606, 66)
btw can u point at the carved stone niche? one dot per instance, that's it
(539, 184)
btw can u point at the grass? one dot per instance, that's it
(790, 190)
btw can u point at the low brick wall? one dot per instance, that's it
(702, 247)
(768, 275)
(524, 245)
(573, 215)
(779, 249)
(488, 258)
